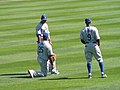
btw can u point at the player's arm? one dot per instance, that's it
(39, 38)
(82, 41)
(81, 37)
(97, 37)
(98, 42)
(50, 41)
(38, 35)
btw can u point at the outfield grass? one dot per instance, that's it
(18, 19)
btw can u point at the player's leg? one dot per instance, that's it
(54, 65)
(32, 73)
(98, 56)
(43, 65)
(49, 66)
(43, 72)
(88, 56)
(43, 69)
(54, 70)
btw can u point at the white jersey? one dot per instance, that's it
(89, 34)
(42, 28)
(44, 50)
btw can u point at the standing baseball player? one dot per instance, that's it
(42, 28)
(44, 53)
(90, 37)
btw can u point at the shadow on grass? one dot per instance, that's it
(65, 78)
(16, 75)
(25, 75)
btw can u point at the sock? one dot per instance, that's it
(101, 64)
(49, 67)
(54, 65)
(89, 68)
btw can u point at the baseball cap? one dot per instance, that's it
(87, 20)
(44, 17)
(45, 35)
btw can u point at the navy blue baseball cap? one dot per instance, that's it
(45, 35)
(43, 17)
(88, 20)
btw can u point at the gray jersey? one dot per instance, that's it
(44, 50)
(89, 34)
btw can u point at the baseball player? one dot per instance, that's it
(44, 53)
(90, 37)
(42, 28)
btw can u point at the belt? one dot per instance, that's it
(92, 42)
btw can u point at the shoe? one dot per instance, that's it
(104, 76)
(90, 76)
(31, 73)
(55, 72)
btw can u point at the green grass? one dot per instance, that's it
(18, 19)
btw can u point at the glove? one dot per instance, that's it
(52, 57)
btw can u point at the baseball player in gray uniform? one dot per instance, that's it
(90, 37)
(42, 28)
(44, 53)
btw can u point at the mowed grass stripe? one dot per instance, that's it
(55, 6)
(54, 2)
(28, 56)
(73, 10)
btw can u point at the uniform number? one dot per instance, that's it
(40, 49)
(89, 37)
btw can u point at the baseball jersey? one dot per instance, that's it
(44, 50)
(89, 34)
(42, 28)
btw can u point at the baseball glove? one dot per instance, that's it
(52, 57)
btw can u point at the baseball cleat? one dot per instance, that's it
(55, 72)
(31, 73)
(90, 76)
(104, 76)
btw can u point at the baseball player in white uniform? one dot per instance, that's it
(44, 53)
(90, 37)
(42, 28)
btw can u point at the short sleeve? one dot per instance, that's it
(97, 34)
(81, 35)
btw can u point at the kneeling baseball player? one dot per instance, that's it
(45, 53)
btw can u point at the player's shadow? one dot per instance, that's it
(65, 78)
(25, 75)
(16, 75)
